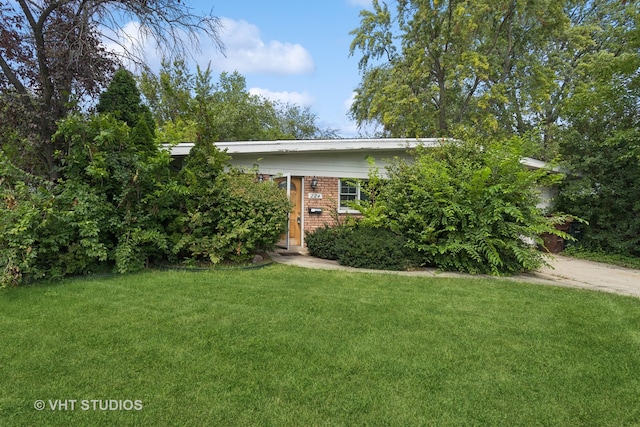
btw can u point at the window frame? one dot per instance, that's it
(358, 193)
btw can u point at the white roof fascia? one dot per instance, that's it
(532, 163)
(330, 145)
(310, 146)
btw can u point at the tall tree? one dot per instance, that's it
(600, 141)
(169, 93)
(52, 56)
(232, 113)
(122, 99)
(435, 65)
(505, 66)
(297, 122)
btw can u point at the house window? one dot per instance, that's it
(349, 191)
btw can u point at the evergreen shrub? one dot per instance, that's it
(321, 242)
(375, 248)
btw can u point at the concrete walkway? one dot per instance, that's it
(564, 271)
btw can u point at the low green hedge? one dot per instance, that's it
(322, 241)
(362, 247)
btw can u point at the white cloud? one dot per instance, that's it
(349, 101)
(302, 99)
(246, 52)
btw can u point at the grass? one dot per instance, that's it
(620, 260)
(285, 346)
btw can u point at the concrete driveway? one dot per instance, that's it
(564, 271)
(591, 275)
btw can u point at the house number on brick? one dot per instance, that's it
(315, 195)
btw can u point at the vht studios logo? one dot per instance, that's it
(88, 405)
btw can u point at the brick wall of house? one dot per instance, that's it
(328, 187)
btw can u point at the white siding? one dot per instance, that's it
(332, 164)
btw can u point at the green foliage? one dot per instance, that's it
(226, 216)
(371, 203)
(601, 150)
(501, 68)
(122, 99)
(376, 248)
(468, 207)
(231, 112)
(253, 217)
(132, 179)
(110, 204)
(459, 206)
(362, 246)
(605, 189)
(168, 94)
(49, 232)
(322, 242)
(117, 202)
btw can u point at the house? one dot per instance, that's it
(318, 175)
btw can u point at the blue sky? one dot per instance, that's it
(288, 50)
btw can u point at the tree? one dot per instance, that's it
(436, 65)
(601, 144)
(176, 97)
(169, 93)
(499, 67)
(297, 122)
(122, 99)
(52, 56)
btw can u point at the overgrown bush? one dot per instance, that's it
(48, 231)
(226, 216)
(133, 181)
(468, 207)
(117, 203)
(322, 241)
(376, 248)
(254, 216)
(604, 188)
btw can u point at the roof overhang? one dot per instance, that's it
(312, 146)
(332, 146)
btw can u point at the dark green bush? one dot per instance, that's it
(375, 248)
(322, 241)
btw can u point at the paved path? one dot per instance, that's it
(564, 271)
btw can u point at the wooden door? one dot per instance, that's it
(295, 216)
(295, 220)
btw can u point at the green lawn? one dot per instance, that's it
(283, 346)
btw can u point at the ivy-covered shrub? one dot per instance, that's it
(322, 241)
(375, 248)
(469, 207)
